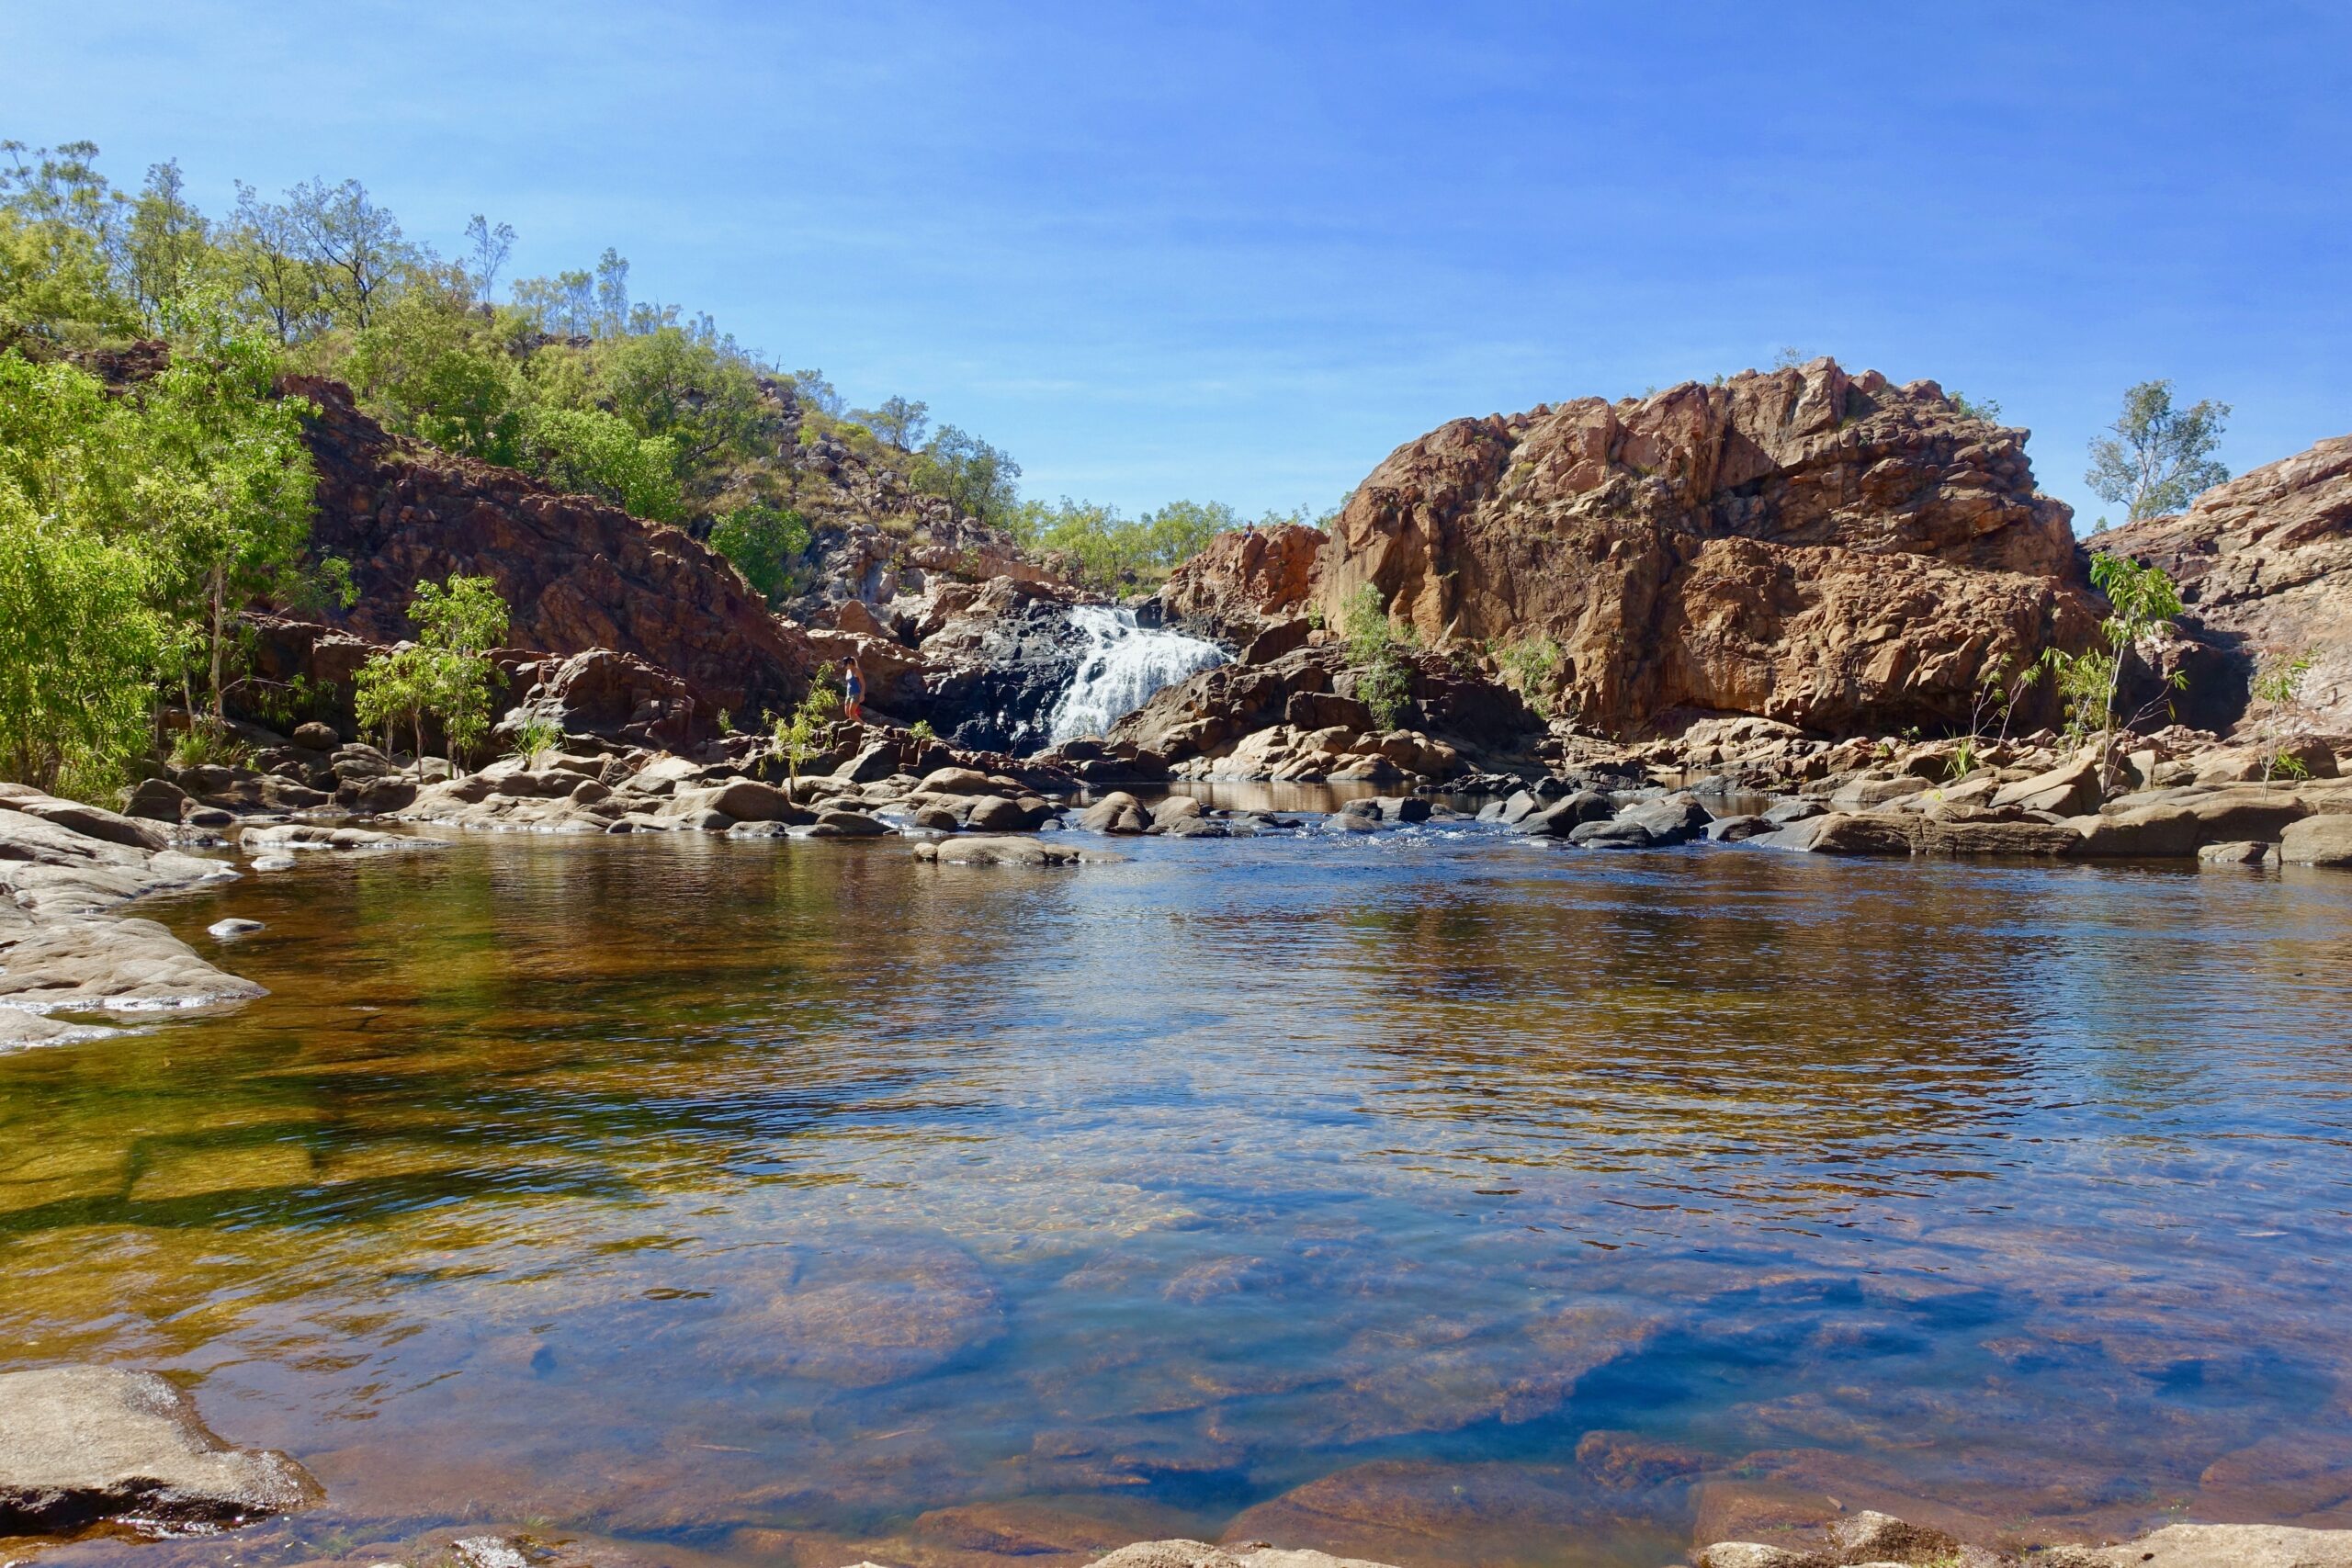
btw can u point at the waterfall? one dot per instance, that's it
(1120, 667)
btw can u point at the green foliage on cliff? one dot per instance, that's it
(190, 494)
(1383, 678)
(767, 545)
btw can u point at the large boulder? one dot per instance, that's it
(617, 696)
(2317, 840)
(1820, 548)
(83, 1445)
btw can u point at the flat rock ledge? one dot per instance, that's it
(62, 863)
(84, 1446)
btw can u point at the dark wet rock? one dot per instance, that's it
(834, 823)
(159, 800)
(1198, 828)
(1117, 812)
(1735, 830)
(1563, 816)
(862, 1315)
(994, 814)
(1627, 1462)
(1009, 852)
(1796, 809)
(81, 1445)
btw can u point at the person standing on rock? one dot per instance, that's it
(853, 690)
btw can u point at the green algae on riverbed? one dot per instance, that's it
(724, 1196)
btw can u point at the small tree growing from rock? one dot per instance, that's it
(2279, 686)
(797, 736)
(1376, 654)
(1530, 666)
(2141, 599)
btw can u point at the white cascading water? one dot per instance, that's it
(1122, 666)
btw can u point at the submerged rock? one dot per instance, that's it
(83, 1445)
(1006, 851)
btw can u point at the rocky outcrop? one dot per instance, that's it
(1827, 550)
(80, 1446)
(577, 575)
(2265, 567)
(1312, 691)
(1244, 581)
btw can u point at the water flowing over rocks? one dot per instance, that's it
(1121, 667)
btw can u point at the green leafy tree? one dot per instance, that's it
(431, 367)
(798, 737)
(598, 454)
(353, 246)
(1376, 654)
(446, 675)
(78, 648)
(393, 688)
(2157, 459)
(1183, 529)
(2141, 599)
(168, 243)
(767, 545)
(489, 247)
(691, 391)
(975, 477)
(2277, 685)
(276, 279)
(897, 421)
(224, 485)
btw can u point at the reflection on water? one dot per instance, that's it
(752, 1198)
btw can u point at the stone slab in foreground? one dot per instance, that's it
(85, 1445)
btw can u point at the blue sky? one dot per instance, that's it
(1241, 251)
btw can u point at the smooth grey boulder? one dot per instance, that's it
(2318, 840)
(841, 824)
(1736, 830)
(2244, 851)
(81, 1445)
(1796, 808)
(1563, 817)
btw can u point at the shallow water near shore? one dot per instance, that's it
(746, 1197)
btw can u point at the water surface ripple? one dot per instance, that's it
(747, 1199)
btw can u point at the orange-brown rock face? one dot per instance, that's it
(577, 574)
(1828, 550)
(1245, 579)
(2264, 566)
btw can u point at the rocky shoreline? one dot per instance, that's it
(106, 1451)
